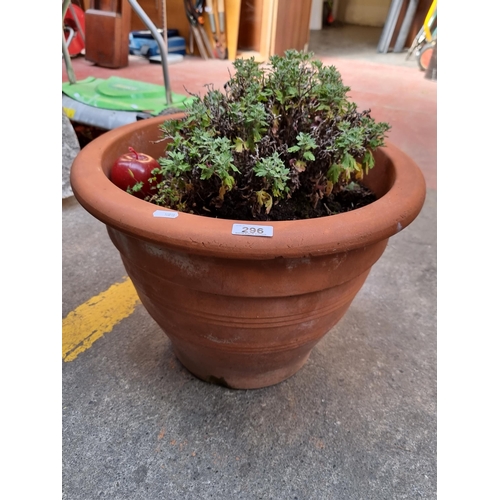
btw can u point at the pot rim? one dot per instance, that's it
(213, 237)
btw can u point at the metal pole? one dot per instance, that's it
(431, 72)
(77, 22)
(164, 22)
(390, 24)
(67, 60)
(159, 40)
(65, 6)
(405, 27)
(65, 51)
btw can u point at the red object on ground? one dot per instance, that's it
(77, 44)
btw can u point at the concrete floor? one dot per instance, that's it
(357, 422)
(356, 43)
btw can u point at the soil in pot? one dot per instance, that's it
(356, 196)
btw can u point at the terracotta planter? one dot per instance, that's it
(243, 311)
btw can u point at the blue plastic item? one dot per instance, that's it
(142, 43)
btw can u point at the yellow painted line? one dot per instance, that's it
(91, 320)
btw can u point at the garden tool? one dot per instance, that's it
(426, 39)
(219, 51)
(195, 18)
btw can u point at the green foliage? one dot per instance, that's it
(275, 173)
(283, 132)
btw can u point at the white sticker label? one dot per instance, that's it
(164, 213)
(252, 230)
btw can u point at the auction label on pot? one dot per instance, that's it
(165, 213)
(252, 230)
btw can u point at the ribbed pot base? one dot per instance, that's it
(245, 372)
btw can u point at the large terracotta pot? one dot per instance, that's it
(243, 311)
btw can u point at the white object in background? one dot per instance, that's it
(252, 230)
(316, 22)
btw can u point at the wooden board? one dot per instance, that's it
(255, 29)
(292, 26)
(273, 26)
(107, 27)
(233, 10)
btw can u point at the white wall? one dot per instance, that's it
(366, 12)
(316, 22)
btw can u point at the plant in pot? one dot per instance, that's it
(270, 202)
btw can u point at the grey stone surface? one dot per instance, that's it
(358, 422)
(70, 148)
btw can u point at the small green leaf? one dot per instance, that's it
(334, 172)
(228, 182)
(206, 172)
(348, 162)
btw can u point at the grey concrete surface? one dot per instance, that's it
(357, 43)
(358, 422)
